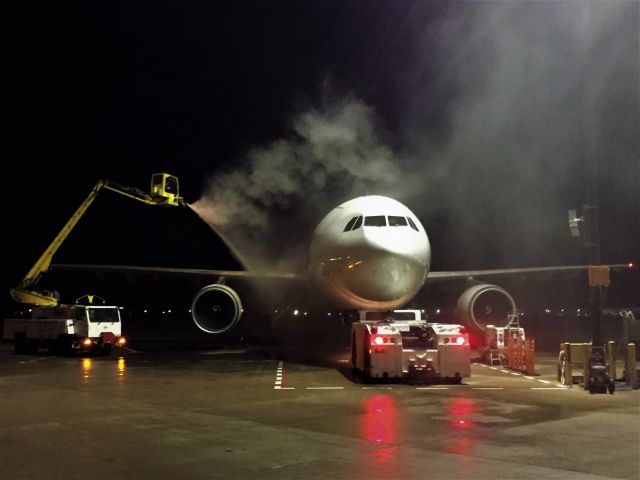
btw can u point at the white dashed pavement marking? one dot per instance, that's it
(279, 383)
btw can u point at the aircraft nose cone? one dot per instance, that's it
(385, 277)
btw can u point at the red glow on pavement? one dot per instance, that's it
(380, 429)
(380, 419)
(462, 407)
(463, 441)
(462, 447)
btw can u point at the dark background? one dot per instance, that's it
(492, 117)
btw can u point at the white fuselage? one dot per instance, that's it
(371, 252)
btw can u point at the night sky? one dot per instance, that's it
(485, 118)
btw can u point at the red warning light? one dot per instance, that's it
(630, 265)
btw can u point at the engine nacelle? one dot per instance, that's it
(216, 308)
(483, 305)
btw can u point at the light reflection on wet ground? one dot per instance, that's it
(217, 416)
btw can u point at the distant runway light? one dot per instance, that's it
(438, 311)
(296, 312)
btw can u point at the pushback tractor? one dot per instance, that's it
(401, 345)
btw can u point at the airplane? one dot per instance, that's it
(368, 253)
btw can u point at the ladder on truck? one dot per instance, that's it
(513, 324)
(513, 327)
(494, 357)
(514, 339)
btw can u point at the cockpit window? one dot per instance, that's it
(350, 224)
(413, 225)
(375, 221)
(397, 221)
(353, 224)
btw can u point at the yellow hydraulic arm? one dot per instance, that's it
(164, 191)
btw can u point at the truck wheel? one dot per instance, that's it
(611, 387)
(106, 349)
(62, 346)
(20, 344)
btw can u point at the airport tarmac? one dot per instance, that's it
(246, 413)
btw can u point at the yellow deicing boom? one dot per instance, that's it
(164, 191)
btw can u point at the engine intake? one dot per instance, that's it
(483, 305)
(216, 308)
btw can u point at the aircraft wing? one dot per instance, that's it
(432, 277)
(195, 272)
(522, 272)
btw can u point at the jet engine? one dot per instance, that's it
(482, 305)
(216, 308)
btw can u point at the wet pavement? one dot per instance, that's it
(238, 413)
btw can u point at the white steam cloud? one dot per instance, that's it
(269, 205)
